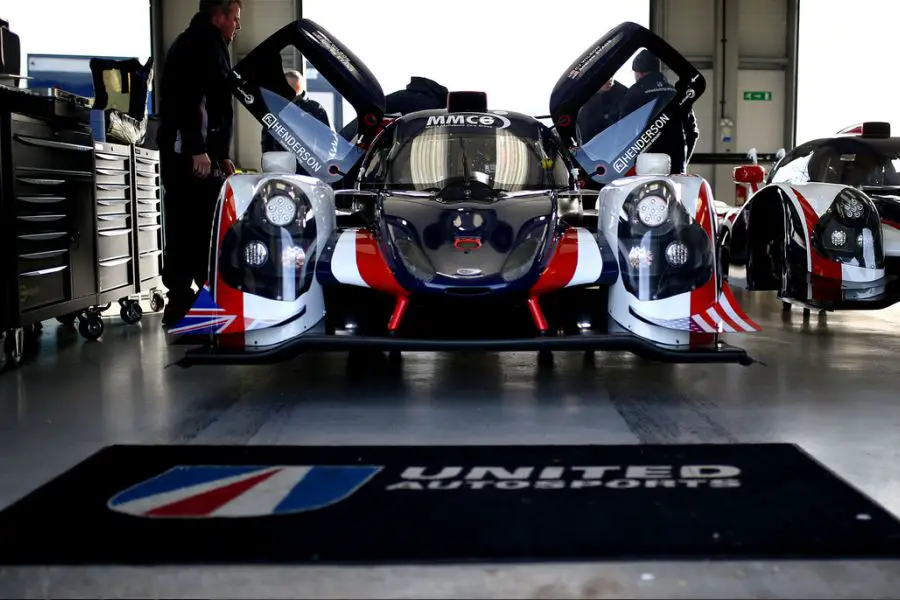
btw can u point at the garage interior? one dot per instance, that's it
(822, 381)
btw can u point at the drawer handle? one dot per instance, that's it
(151, 201)
(115, 262)
(42, 199)
(106, 156)
(148, 188)
(117, 217)
(41, 181)
(114, 232)
(42, 218)
(33, 141)
(146, 161)
(103, 171)
(112, 202)
(112, 187)
(151, 253)
(42, 237)
(148, 215)
(40, 272)
(146, 174)
(40, 255)
(151, 227)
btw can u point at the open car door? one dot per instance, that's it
(638, 118)
(259, 83)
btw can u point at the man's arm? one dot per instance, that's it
(691, 133)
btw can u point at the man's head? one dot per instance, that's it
(645, 63)
(225, 15)
(295, 80)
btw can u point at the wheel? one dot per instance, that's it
(157, 302)
(131, 312)
(545, 359)
(90, 326)
(67, 320)
(14, 347)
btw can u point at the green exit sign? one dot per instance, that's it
(758, 96)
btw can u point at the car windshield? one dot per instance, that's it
(857, 167)
(436, 158)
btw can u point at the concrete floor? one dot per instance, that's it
(829, 385)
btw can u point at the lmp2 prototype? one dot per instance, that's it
(823, 227)
(463, 228)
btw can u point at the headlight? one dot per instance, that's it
(256, 254)
(838, 237)
(652, 211)
(676, 254)
(280, 210)
(850, 206)
(520, 260)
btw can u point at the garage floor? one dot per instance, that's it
(829, 384)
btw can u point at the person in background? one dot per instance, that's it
(677, 139)
(296, 80)
(601, 111)
(194, 140)
(420, 93)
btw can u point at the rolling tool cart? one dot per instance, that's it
(47, 218)
(150, 223)
(116, 224)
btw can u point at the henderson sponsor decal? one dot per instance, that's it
(609, 477)
(307, 159)
(621, 163)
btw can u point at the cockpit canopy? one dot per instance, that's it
(484, 153)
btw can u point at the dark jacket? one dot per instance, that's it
(677, 139)
(420, 94)
(195, 110)
(601, 111)
(269, 144)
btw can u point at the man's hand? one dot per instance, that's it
(202, 165)
(228, 167)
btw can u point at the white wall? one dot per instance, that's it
(847, 68)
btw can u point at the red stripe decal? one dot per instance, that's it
(736, 307)
(228, 298)
(821, 266)
(207, 502)
(705, 296)
(372, 266)
(562, 265)
(723, 317)
(890, 223)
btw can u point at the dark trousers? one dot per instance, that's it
(190, 208)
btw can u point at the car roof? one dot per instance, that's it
(878, 145)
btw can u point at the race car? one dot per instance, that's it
(462, 228)
(823, 226)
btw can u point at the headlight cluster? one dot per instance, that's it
(662, 251)
(849, 232)
(266, 251)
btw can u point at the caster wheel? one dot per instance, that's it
(806, 313)
(131, 313)
(157, 302)
(395, 357)
(786, 306)
(90, 326)
(67, 320)
(14, 348)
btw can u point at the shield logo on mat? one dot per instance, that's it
(204, 492)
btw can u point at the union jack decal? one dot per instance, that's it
(724, 316)
(205, 316)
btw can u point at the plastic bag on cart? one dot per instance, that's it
(121, 90)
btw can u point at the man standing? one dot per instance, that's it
(601, 111)
(420, 93)
(677, 139)
(194, 138)
(268, 143)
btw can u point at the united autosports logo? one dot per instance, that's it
(203, 492)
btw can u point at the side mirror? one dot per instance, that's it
(753, 156)
(279, 162)
(780, 154)
(750, 174)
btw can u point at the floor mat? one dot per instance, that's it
(270, 504)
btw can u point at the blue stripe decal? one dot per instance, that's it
(610, 273)
(323, 486)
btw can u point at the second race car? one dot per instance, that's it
(467, 227)
(823, 227)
